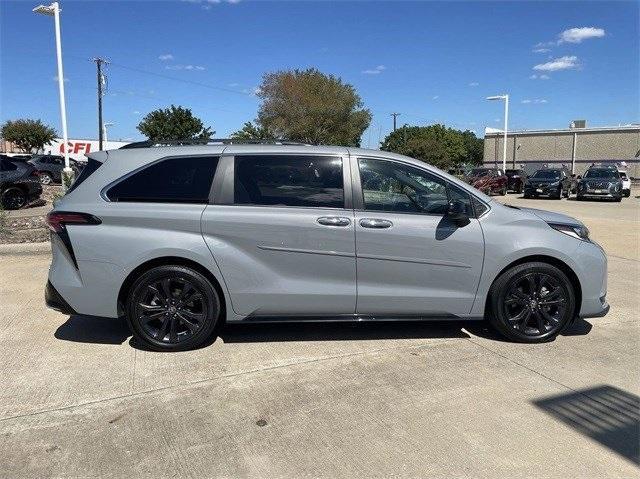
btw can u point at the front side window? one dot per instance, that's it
(395, 187)
(174, 180)
(289, 180)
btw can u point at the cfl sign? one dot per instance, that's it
(78, 147)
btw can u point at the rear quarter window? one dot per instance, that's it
(88, 170)
(171, 180)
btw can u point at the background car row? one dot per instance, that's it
(599, 182)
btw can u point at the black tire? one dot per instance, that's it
(527, 195)
(46, 178)
(558, 195)
(579, 197)
(172, 308)
(531, 302)
(567, 193)
(503, 192)
(618, 199)
(14, 198)
(519, 189)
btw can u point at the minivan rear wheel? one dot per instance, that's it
(531, 302)
(172, 308)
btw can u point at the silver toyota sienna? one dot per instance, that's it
(180, 239)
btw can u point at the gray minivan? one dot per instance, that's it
(180, 239)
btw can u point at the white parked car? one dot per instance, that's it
(626, 183)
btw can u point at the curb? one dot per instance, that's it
(25, 249)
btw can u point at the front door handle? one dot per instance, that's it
(376, 223)
(334, 221)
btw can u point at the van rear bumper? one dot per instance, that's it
(55, 301)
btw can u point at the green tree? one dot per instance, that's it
(173, 124)
(474, 147)
(28, 135)
(310, 107)
(434, 144)
(251, 132)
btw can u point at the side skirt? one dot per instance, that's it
(353, 318)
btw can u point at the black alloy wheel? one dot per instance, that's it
(172, 308)
(13, 198)
(532, 302)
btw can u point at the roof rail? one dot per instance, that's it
(212, 141)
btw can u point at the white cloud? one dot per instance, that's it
(541, 50)
(135, 112)
(525, 101)
(255, 91)
(185, 67)
(497, 120)
(536, 101)
(474, 83)
(165, 57)
(55, 78)
(562, 63)
(577, 35)
(435, 97)
(375, 71)
(233, 85)
(539, 77)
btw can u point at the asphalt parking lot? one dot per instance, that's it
(78, 399)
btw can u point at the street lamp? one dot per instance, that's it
(104, 130)
(504, 97)
(54, 10)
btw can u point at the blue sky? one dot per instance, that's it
(430, 61)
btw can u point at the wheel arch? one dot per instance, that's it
(540, 258)
(171, 261)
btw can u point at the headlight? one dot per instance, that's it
(555, 183)
(577, 231)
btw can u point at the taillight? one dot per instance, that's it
(35, 173)
(57, 220)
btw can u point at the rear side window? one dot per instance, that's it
(271, 180)
(173, 180)
(90, 167)
(8, 166)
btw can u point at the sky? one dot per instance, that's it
(433, 62)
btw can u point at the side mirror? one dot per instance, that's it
(457, 212)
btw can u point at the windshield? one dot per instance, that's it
(623, 175)
(480, 171)
(547, 174)
(601, 173)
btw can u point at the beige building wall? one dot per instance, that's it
(533, 149)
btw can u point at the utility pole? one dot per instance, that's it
(394, 115)
(99, 62)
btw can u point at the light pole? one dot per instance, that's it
(54, 10)
(504, 97)
(104, 130)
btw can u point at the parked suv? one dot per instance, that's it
(551, 182)
(50, 167)
(600, 182)
(515, 180)
(182, 239)
(626, 183)
(19, 183)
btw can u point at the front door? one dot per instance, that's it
(411, 258)
(283, 236)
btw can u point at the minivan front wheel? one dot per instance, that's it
(172, 308)
(531, 302)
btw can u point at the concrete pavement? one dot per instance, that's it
(77, 399)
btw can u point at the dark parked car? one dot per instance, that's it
(19, 183)
(51, 166)
(515, 180)
(488, 180)
(551, 182)
(600, 182)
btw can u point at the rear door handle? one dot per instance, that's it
(334, 221)
(376, 223)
